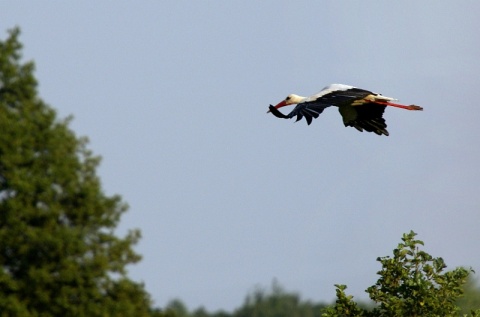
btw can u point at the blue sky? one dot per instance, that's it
(173, 95)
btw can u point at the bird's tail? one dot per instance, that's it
(384, 98)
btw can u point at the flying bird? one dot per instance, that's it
(360, 108)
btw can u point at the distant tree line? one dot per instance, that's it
(277, 302)
(261, 302)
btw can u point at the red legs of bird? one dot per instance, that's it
(410, 107)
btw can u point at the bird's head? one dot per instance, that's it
(291, 99)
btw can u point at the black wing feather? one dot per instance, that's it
(309, 110)
(368, 117)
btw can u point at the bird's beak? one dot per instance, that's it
(283, 103)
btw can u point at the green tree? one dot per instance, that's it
(58, 252)
(277, 303)
(471, 297)
(178, 308)
(412, 283)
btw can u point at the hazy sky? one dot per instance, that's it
(173, 95)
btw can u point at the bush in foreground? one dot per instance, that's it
(411, 283)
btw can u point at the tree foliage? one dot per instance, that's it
(471, 296)
(58, 252)
(277, 303)
(411, 283)
(274, 302)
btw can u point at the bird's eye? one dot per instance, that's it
(288, 98)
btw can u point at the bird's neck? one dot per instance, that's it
(296, 98)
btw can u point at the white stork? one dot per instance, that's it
(361, 109)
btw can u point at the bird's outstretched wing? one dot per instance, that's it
(309, 110)
(368, 117)
(337, 95)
